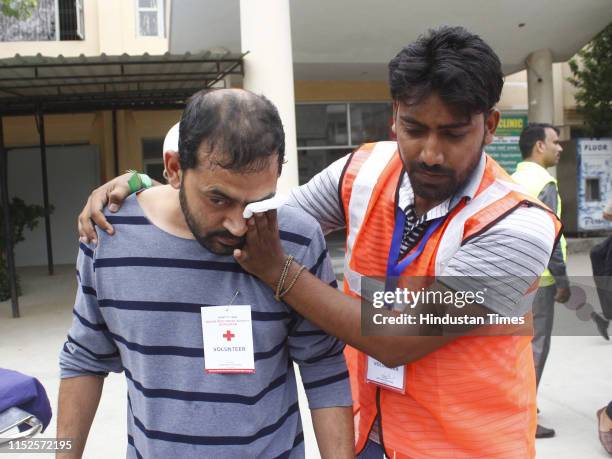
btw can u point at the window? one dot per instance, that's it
(80, 28)
(50, 20)
(592, 191)
(370, 122)
(152, 158)
(71, 20)
(327, 132)
(150, 18)
(321, 125)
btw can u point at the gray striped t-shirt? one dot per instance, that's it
(137, 310)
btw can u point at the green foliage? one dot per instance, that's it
(22, 216)
(20, 9)
(592, 76)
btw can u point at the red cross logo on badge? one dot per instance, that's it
(228, 335)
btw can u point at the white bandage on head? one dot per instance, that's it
(171, 140)
(263, 206)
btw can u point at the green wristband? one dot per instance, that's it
(145, 180)
(138, 181)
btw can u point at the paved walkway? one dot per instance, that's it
(577, 380)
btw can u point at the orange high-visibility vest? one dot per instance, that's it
(474, 397)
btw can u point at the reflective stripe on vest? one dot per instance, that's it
(363, 186)
(458, 393)
(453, 236)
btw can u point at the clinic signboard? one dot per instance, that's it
(505, 147)
(594, 161)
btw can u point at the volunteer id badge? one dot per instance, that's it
(389, 378)
(227, 332)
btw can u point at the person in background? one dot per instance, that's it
(540, 148)
(601, 262)
(171, 142)
(604, 421)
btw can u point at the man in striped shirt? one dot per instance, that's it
(141, 295)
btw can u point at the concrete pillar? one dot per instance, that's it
(265, 31)
(540, 92)
(558, 83)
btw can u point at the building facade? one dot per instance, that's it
(333, 115)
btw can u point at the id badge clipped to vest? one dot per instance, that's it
(227, 333)
(388, 378)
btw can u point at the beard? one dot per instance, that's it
(442, 182)
(208, 239)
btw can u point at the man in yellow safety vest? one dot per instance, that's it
(539, 144)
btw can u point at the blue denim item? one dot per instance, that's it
(372, 450)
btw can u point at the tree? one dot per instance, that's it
(20, 9)
(592, 76)
(23, 216)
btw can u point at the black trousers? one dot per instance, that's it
(601, 262)
(543, 318)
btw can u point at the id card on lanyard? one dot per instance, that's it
(228, 339)
(377, 373)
